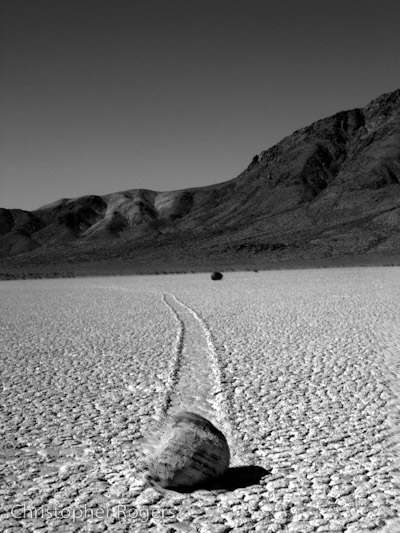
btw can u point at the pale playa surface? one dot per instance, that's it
(298, 368)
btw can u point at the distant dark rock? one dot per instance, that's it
(216, 276)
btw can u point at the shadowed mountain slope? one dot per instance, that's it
(330, 190)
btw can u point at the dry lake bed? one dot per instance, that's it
(299, 369)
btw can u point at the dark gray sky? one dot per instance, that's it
(99, 96)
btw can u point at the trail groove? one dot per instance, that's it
(195, 382)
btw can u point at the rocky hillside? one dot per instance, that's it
(330, 190)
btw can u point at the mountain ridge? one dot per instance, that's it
(328, 190)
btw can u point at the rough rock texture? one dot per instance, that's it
(329, 190)
(191, 451)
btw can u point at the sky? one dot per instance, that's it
(99, 96)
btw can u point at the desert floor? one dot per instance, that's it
(300, 369)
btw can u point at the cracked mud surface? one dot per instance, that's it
(300, 369)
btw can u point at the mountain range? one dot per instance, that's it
(328, 194)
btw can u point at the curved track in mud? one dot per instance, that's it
(196, 379)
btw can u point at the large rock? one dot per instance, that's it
(190, 452)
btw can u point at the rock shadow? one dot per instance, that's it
(236, 477)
